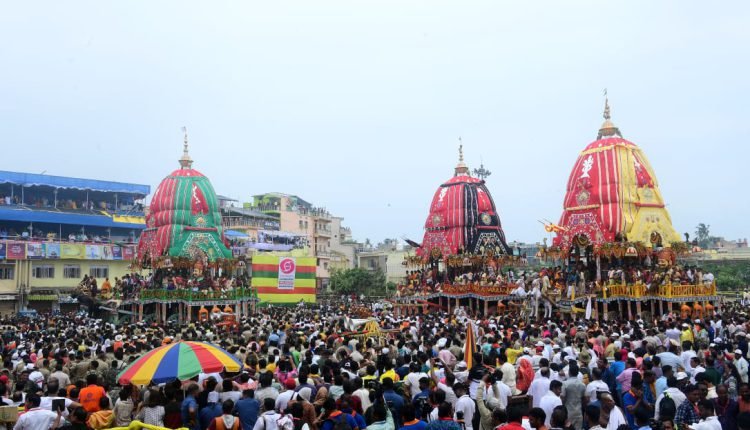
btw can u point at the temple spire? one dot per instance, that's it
(461, 167)
(185, 161)
(608, 128)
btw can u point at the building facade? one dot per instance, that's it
(321, 231)
(55, 230)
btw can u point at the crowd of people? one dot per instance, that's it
(49, 202)
(132, 284)
(307, 368)
(578, 279)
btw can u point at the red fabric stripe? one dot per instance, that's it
(296, 290)
(208, 362)
(275, 268)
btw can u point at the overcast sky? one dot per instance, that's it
(357, 105)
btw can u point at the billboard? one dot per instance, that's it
(284, 279)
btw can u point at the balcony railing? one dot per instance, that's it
(235, 223)
(196, 296)
(669, 291)
(634, 291)
(323, 231)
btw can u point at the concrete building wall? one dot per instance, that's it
(51, 274)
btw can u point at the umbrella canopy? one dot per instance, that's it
(180, 360)
(470, 346)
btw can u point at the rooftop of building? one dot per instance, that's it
(35, 179)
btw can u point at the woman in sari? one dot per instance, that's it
(524, 375)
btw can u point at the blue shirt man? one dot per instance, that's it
(247, 409)
(394, 401)
(211, 411)
(617, 367)
(189, 408)
(337, 417)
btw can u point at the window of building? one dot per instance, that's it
(71, 271)
(43, 271)
(325, 265)
(7, 271)
(99, 271)
(301, 224)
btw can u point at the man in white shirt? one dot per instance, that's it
(741, 364)
(673, 392)
(615, 417)
(504, 394)
(283, 400)
(269, 418)
(673, 333)
(697, 367)
(363, 394)
(596, 385)
(46, 403)
(520, 291)
(686, 356)
(536, 294)
(450, 379)
(670, 359)
(539, 387)
(551, 400)
(464, 404)
(412, 379)
(36, 418)
(710, 421)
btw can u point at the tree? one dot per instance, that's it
(702, 232)
(357, 281)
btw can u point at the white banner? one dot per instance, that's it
(287, 271)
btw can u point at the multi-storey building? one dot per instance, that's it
(55, 230)
(320, 229)
(343, 247)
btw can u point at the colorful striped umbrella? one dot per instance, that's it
(470, 346)
(181, 361)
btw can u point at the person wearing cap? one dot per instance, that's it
(687, 334)
(741, 364)
(283, 399)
